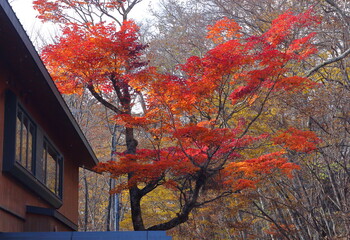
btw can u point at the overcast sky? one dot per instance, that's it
(26, 14)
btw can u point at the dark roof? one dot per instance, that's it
(22, 59)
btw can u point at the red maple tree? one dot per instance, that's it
(194, 122)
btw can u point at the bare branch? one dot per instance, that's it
(338, 58)
(102, 100)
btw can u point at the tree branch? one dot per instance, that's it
(99, 98)
(185, 211)
(338, 58)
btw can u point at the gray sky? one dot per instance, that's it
(33, 26)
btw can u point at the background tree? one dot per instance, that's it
(96, 208)
(84, 12)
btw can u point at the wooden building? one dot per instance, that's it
(41, 145)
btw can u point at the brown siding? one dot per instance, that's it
(70, 191)
(9, 223)
(2, 97)
(15, 197)
(39, 223)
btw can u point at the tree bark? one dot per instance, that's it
(86, 195)
(134, 192)
(136, 213)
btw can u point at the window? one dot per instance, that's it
(29, 155)
(50, 166)
(25, 139)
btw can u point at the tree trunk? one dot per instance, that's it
(135, 195)
(86, 195)
(136, 213)
(110, 206)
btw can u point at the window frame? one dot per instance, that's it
(58, 159)
(30, 123)
(16, 169)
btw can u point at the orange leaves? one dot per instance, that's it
(302, 48)
(275, 231)
(209, 146)
(196, 147)
(147, 165)
(193, 66)
(58, 11)
(294, 83)
(244, 183)
(281, 28)
(207, 124)
(223, 30)
(48, 10)
(254, 63)
(249, 173)
(98, 55)
(169, 96)
(262, 164)
(131, 121)
(286, 23)
(242, 91)
(192, 111)
(205, 138)
(297, 140)
(113, 4)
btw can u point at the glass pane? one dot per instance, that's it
(25, 131)
(25, 142)
(24, 145)
(40, 166)
(30, 147)
(18, 137)
(58, 173)
(51, 174)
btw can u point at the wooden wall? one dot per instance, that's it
(14, 197)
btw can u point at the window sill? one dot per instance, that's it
(22, 175)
